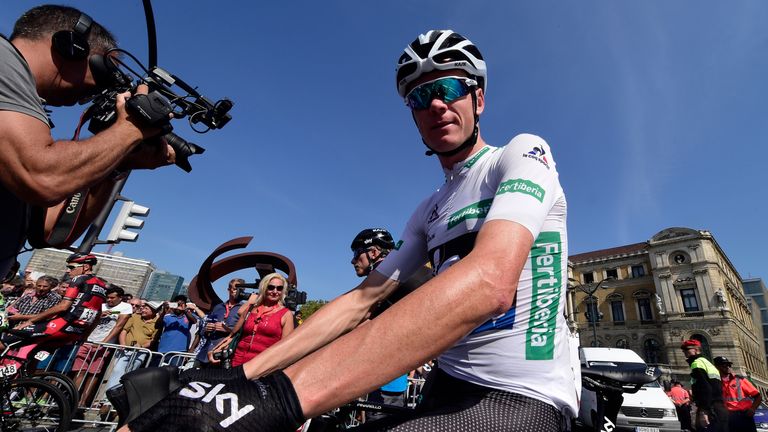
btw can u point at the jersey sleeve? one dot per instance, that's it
(71, 292)
(409, 253)
(528, 184)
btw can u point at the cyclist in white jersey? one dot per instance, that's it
(493, 314)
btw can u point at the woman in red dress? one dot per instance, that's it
(264, 320)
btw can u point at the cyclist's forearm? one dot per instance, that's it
(417, 328)
(328, 323)
(56, 310)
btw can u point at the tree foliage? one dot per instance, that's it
(311, 306)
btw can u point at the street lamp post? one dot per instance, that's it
(589, 290)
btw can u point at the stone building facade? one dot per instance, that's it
(651, 296)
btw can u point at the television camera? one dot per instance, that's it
(113, 76)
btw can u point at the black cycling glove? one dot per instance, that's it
(224, 400)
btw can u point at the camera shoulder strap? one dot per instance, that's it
(62, 234)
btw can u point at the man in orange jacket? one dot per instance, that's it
(682, 400)
(740, 396)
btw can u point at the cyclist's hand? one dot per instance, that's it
(224, 400)
(23, 324)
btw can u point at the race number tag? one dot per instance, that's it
(3, 320)
(88, 316)
(42, 355)
(8, 370)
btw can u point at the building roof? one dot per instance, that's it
(610, 252)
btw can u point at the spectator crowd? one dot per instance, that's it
(133, 332)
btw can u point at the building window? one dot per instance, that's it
(644, 307)
(680, 258)
(638, 271)
(612, 273)
(690, 303)
(589, 277)
(617, 310)
(652, 349)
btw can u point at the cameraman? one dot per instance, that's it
(46, 62)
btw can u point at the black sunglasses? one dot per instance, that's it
(357, 252)
(274, 287)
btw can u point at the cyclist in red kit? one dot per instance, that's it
(74, 317)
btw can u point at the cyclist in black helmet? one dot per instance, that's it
(369, 248)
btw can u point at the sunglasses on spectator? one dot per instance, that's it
(72, 267)
(447, 89)
(274, 287)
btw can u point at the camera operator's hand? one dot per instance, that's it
(124, 118)
(150, 154)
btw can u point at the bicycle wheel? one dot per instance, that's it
(34, 405)
(63, 383)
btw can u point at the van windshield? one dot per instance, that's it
(652, 384)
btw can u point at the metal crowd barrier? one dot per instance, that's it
(96, 367)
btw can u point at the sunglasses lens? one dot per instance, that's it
(274, 287)
(445, 89)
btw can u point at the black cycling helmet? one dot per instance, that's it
(373, 237)
(81, 258)
(721, 360)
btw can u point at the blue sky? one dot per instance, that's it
(655, 112)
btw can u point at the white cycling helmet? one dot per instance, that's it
(439, 50)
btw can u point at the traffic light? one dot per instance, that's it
(125, 220)
(589, 316)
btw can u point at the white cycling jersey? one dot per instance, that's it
(524, 350)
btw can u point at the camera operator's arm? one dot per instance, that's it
(44, 172)
(327, 324)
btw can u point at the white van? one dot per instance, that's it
(648, 410)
